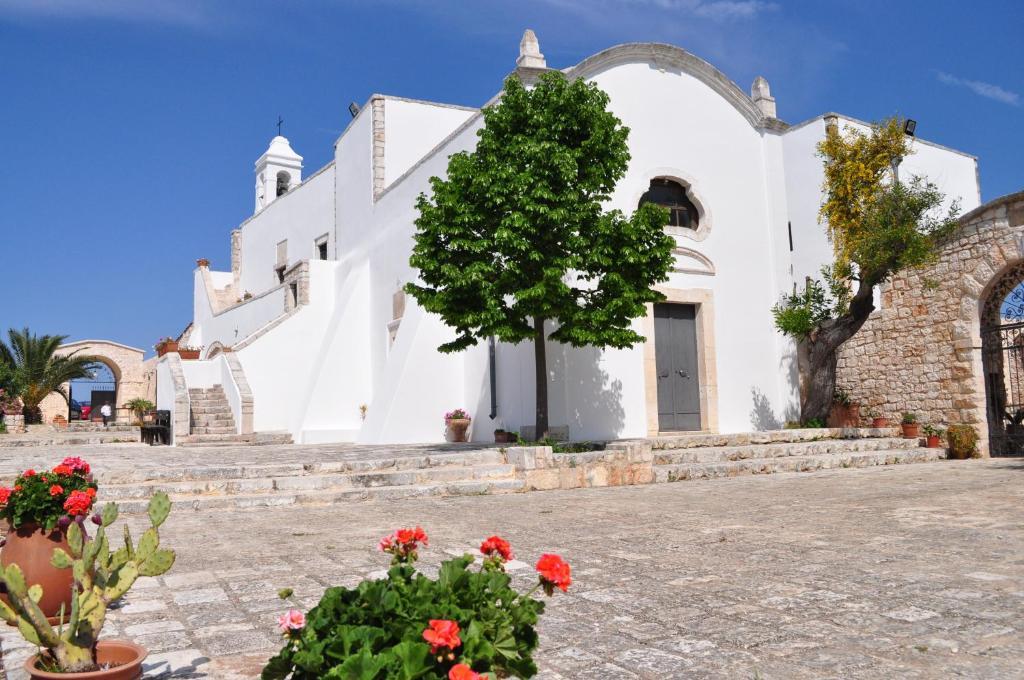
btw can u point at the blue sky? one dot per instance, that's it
(130, 127)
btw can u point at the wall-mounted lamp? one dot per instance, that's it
(353, 108)
(909, 126)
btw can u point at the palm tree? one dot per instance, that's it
(39, 369)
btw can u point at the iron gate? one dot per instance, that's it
(1003, 361)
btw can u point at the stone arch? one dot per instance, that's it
(216, 348)
(124, 362)
(1002, 360)
(693, 192)
(923, 350)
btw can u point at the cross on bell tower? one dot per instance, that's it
(280, 122)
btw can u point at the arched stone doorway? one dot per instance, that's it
(1002, 343)
(124, 379)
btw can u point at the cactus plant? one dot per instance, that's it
(101, 576)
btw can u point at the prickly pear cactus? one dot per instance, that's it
(101, 577)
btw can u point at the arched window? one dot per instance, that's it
(672, 195)
(283, 182)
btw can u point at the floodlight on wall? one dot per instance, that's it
(353, 108)
(909, 126)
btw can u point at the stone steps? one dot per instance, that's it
(713, 454)
(808, 463)
(310, 482)
(212, 423)
(334, 497)
(255, 439)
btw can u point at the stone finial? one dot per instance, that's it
(762, 96)
(529, 51)
(831, 122)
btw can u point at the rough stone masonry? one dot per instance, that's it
(922, 351)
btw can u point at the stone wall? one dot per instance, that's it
(921, 352)
(124, 362)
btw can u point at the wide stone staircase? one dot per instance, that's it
(688, 457)
(338, 474)
(375, 475)
(211, 422)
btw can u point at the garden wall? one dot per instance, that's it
(921, 351)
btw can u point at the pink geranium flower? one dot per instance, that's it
(291, 620)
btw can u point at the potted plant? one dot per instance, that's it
(502, 436)
(457, 422)
(39, 509)
(911, 428)
(963, 441)
(189, 353)
(933, 436)
(845, 412)
(877, 419)
(73, 649)
(165, 345)
(466, 624)
(140, 407)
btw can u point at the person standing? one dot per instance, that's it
(106, 412)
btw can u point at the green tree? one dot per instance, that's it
(878, 226)
(517, 234)
(38, 369)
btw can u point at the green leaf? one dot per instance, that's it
(109, 514)
(60, 559)
(35, 593)
(159, 508)
(147, 544)
(75, 539)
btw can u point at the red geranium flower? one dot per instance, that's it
(403, 544)
(62, 470)
(554, 573)
(461, 671)
(90, 492)
(496, 545)
(78, 503)
(442, 634)
(76, 464)
(5, 495)
(29, 473)
(56, 490)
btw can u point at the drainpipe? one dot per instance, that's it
(494, 378)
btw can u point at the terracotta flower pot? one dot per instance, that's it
(188, 354)
(165, 347)
(125, 660)
(933, 441)
(844, 416)
(31, 549)
(911, 430)
(457, 428)
(879, 422)
(503, 437)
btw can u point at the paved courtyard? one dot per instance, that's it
(912, 571)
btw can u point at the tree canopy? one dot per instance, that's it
(517, 233)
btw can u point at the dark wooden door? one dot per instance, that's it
(675, 345)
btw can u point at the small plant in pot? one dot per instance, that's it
(963, 441)
(465, 624)
(189, 353)
(933, 436)
(845, 412)
(38, 509)
(457, 422)
(877, 419)
(911, 428)
(502, 436)
(165, 345)
(73, 649)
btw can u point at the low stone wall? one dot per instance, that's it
(922, 351)
(618, 465)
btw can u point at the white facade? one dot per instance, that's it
(336, 333)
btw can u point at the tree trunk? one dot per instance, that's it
(823, 355)
(541, 376)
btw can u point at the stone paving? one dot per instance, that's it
(900, 571)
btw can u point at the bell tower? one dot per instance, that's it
(278, 171)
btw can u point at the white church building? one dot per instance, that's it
(309, 332)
